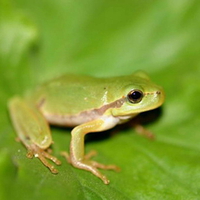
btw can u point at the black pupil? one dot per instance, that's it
(136, 95)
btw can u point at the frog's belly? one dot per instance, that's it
(86, 116)
(74, 120)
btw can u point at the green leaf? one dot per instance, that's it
(42, 39)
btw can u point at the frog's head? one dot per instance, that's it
(138, 96)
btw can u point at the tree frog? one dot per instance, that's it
(86, 103)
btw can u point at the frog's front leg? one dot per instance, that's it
(77, 157)
(32, 130)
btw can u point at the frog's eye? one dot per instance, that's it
(135, 96)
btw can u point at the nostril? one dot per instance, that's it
(158, 92)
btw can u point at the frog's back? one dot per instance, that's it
(72, 94)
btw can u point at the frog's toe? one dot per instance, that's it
(99, 165)
(66, 156)
(42, 155)
(106, 167)
(90, 155)
(92, 166)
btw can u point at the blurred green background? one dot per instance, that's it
(42, 39)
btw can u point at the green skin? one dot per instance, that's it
(86, 103)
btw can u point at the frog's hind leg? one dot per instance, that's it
(32, 130)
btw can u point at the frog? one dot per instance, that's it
(85, 103)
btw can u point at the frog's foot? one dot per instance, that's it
(43, 155)
(144, 132)
(90, 165)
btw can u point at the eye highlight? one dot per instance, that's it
(135, 96)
